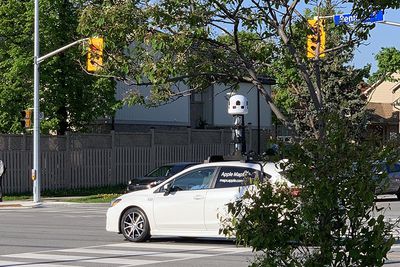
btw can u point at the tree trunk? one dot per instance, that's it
(62, 116)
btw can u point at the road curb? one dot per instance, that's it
(5, 205)
(10, 205)
(43, 204)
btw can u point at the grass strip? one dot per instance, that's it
(81, 195)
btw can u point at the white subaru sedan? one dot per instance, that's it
(187, 203)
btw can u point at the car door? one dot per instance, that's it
(182, 209)
(228, 186)
(394, 177)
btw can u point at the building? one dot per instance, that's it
(384, 103)
(206, 109)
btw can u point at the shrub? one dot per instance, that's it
(334, 221)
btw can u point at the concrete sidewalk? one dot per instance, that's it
(19, 204)
(30, 204)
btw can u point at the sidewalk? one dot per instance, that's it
(30, 204)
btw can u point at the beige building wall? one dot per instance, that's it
(386, 92)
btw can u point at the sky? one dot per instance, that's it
(381, 36)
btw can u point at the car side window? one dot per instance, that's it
(160, 172)
(393, 168)
(194, 180)
(235, 176)
(175, 169)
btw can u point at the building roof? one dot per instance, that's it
(382, 111)
(385, 88)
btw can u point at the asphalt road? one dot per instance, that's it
(60, 234)
(74, 235)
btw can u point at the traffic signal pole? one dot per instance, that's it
(36, 121)
(36, 176)
(397, 24)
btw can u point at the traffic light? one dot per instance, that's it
(95, 54)
(316, 40)
(26, 121)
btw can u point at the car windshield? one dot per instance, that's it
(160, 171)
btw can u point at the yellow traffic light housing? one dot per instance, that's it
(95, 54)
(316, 40)
(26, 121)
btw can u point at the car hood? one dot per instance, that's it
(137, 194)
(146, 180)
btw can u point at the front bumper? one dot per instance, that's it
(112, 221)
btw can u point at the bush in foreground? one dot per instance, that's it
(335, 220)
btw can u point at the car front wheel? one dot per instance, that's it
(135, 225)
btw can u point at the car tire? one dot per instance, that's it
(398, 194)
(135, 225)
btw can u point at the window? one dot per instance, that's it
(235, 176)
(393, 167)
(194, 180)
(162, 171)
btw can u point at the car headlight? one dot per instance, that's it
(152, 184)
(115, 202)
(130, 182)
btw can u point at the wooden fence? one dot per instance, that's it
(92, 167)
(80, 160)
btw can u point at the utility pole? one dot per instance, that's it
(36, 120)
(36, 109)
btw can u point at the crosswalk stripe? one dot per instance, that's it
(163, 246)
(105, 251)
(40, 256)
(19, 263)
(111, 254)
(119, 261)
(238, 250)
(64, 258)
(9, 263)
(129, 253)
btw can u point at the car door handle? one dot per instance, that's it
(198, 197)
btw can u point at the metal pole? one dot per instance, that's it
(323, 17)
(55, 52)
(258, 124)
(390, 23)
(36, 120)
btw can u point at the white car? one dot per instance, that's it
(187, 203)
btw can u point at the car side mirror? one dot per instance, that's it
(167, 189)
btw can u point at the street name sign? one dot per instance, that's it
(350, 18)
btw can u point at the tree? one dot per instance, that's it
(198, 43)
(70, 99)
(388, 63)
(202, 42)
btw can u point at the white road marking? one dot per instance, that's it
(119, 262)
(154, 245)
(137, 253)
(67, 258)
(40, 256)
(16, 263)
(9, 263)
(110, 252)
(102, 255)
